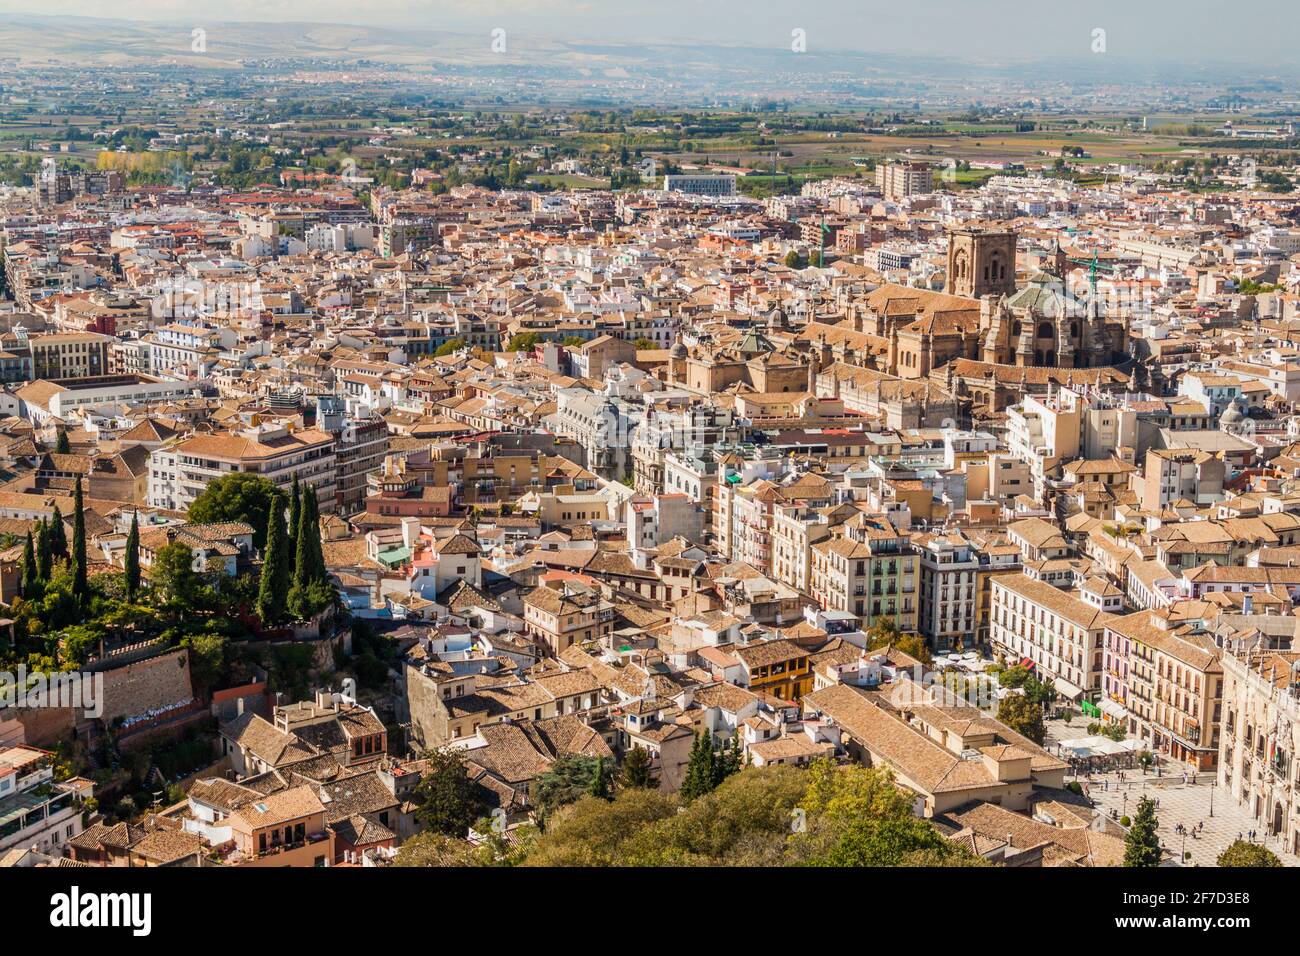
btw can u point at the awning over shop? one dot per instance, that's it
(1067, 690)
(1113, 709)
(1097, 746)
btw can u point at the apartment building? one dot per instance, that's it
(899, 180)
(561, 614)
(1174, 474)
(700, 185)
(69, 355)
(1163, 682)
(949, 591)
(795, 529)
(283, 829)
(1059, 635)
(360, 446)
(179, 472)
(1261, 738)
(870, 572)
(34, 810)
(743, 516)
(780, 668)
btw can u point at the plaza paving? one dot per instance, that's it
(1180, 801)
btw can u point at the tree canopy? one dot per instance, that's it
(1243, 854)
(448, 801)
(239, 496)
(824, 815)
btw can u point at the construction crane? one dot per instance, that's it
(1093, 266)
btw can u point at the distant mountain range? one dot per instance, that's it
(85, 41)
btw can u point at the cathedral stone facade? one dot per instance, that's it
(983, 325)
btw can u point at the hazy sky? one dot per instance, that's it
(1256, 32)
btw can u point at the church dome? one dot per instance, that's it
(1231, 415)
(1046, 295)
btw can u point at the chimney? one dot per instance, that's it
(410, 532)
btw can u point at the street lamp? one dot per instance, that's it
(1214, 780)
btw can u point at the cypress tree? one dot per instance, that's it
(131, 560)
(44, 557)
(273, 586)
(309, 543)
(599, 786)
(295, 509)
(79, 586)
(61, 444)
(58, 535)
(1142, 845)
(31, 573)
(727, 761)
(699, 770)
(304, 563)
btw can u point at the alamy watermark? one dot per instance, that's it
(67, 689)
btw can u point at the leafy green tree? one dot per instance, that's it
(448, 801)
(847, 792)
(239, 496)
(1142, 845)
(593, 832)
(699, 769)
(174, 577)
(1019, 676)
(31, 571)
(524, 341)
(276, 576)
(749, 818)
(58, 535)
(792, 259)
(897, 841)
(857, 816)
(885, 633)
(62, 446)
(131, 559)
(635, 772)
(79, 588)
(1023, 716)
(450, 347)
(435, 849)
(208, 651)
(1242, 853)
(563, 782)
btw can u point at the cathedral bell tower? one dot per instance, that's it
(981, 261)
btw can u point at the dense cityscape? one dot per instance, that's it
(487, 467)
